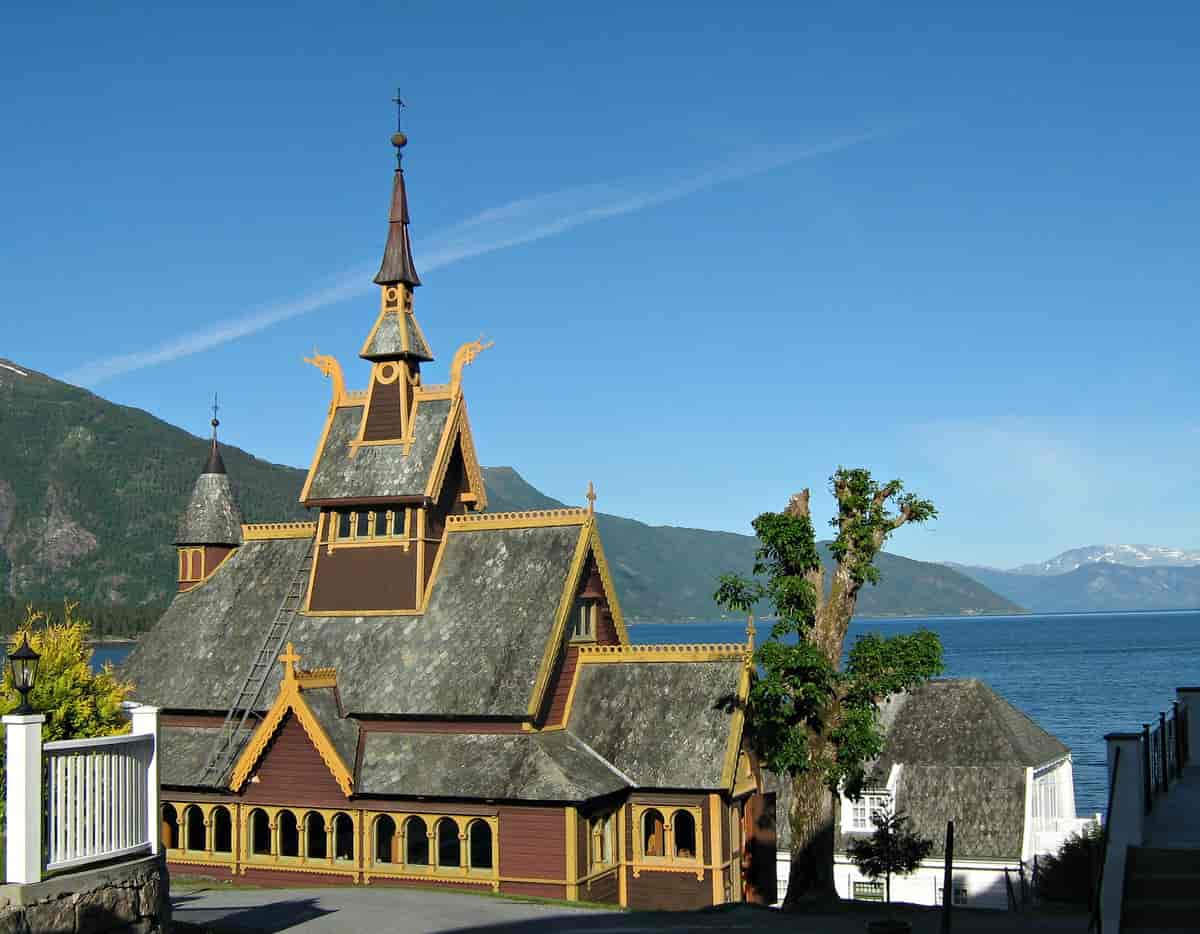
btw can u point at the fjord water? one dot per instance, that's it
(1078, 675)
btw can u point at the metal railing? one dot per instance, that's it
(96, 799)
(1164, 752)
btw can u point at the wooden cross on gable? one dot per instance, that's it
(591, 498)
(289, 659)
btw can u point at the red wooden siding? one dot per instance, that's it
(381, 577)
(533, 843)
(602, 889)
(437, 726)
(291, 771)
(560, 686)
(384, 420)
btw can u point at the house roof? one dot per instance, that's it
(963, 752)
(664, 724)
(961, 722)
(476, 651)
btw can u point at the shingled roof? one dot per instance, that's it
(476, 650)
(963, 752)
(396, 334)
(212, 516)
(663, 724)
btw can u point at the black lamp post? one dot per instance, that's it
(23, 663)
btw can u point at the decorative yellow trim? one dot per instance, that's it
(622, 880)
(685, 652)
(737, 721)
(714, 827)
(538, 519)
(463, 873)
(270, 531)
(566, 602)
(434, 392)
(354, 397)
(206, 572)
(610, 588)
(419, 587)
(312, 469)
(471, 461)
(321, 614)
(572, 854)
(668, 862)
(465, 356)
(290, 699)
(744, 781)
(330, 368)
(408, 309)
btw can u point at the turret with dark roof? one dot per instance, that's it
(212, 516)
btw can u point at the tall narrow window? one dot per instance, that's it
(260, 832)
(584, 626)
(343, 837)
(381, 523)
(289, 834)
(344, 526)
(314, 836)
(170, 827)
(363, 529)
(684, 826)
(449, 850)
(653, 834)
(602, 843)
(385, 839)
(194, 819)
(416, 842)
(480, 841)
(222, 830)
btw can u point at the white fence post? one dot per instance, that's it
(23, 792)
(145, 722)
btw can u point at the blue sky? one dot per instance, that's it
(721, 249)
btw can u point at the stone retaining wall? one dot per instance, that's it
(129, 897)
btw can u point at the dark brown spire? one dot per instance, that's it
(397, 265)
(214, 464)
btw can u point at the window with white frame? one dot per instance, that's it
(863, 810)
(958, 893)
(1045, 800)
(868, 891)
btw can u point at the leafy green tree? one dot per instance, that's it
(76, 701)
(809, 720)
(1069, 874)
(892, 850)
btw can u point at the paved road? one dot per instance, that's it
(415, 911)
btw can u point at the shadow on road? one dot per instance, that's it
(270, 917)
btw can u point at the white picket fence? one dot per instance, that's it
(72, 803)
(96, 799)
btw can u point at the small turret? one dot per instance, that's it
(211, 525)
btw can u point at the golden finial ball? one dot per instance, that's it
(399, 140)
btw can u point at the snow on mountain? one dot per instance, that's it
(1133, 556)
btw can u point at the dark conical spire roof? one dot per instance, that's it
(212, 516)
(397, 265)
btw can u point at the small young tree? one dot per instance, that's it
(811, 722)
(76, 701)
(892, 850)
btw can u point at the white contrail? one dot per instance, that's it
(518, 222)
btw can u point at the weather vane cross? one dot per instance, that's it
(591, 498)
(215, 421)
(399, 139)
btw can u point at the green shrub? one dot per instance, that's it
(1068, 875)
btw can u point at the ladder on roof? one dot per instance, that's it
(226, 747)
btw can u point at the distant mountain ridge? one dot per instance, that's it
(1098, 578)
(90, 492)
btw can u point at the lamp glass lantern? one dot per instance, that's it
(22, 665)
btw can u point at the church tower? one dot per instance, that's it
(396, 347)
(211, 525)
(395, 461)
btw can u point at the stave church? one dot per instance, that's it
(410, 690)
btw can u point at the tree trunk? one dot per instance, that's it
(811, 821)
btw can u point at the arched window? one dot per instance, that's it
(289, 834)
(449, 848)
(601, 836)
(653, 836)
(479, 838)
(385, 839)
(416, 842)
(343, 837)
(683, 826)
(193, 819)
(314, 836)
(260, 832)
(170, 827)
(222, 830)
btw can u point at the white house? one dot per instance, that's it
(956, 750)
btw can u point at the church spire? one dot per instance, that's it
(397, 266)
(212, 516)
